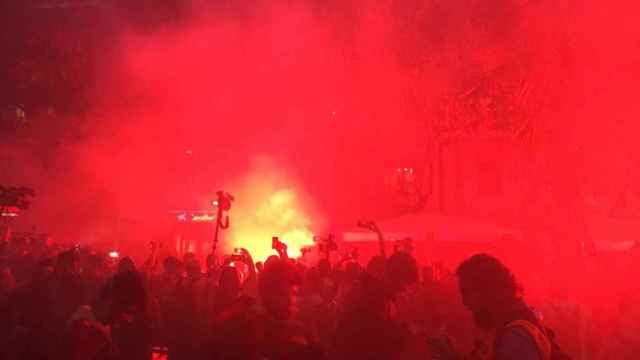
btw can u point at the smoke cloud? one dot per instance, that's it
(338, 94)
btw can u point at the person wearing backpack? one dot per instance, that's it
(490, 291)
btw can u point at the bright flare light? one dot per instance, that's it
(277, 214)
(263, 211)
(269, 202)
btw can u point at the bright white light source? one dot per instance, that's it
(114, 254)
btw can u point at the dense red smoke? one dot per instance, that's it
(184, 111)
(338, 95)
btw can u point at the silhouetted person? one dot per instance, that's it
(32, 315)
(212, 265)
(192, 309)
(129, 318)
(352, 273)
(166, 287)
(120, 327)
(7, 287)
(94, 276)
(188, 257)
(228, 290)
(67, 288)
(126, 265)
(234, 327)
(367, 328)
(490, 291)
(273, 259)
(375, 267)
(401, 272)
(282, 337)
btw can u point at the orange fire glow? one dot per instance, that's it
(268, 206)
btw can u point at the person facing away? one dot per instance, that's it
(94, 276)
(232, 335)
(228, 291)
(67, 289)
(367, 326)
(124, 323)
(490, 291)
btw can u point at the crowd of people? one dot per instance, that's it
(79, 304)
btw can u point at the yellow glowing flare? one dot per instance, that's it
(268, 210)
